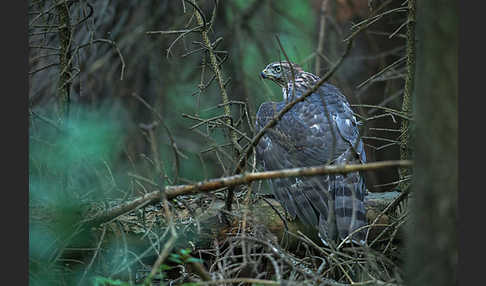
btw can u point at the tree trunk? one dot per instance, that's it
(65, 65)
(407, 128)
(432, 236)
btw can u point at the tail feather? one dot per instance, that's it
(349, 207)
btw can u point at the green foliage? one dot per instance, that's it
(183, 257)
(69, 165)
(104, 281)
(78, 158)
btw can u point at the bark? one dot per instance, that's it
(407, 128)
(432, 237)
(65, 66)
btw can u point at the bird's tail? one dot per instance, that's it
(349, 207)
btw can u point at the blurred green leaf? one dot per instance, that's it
(194, 260)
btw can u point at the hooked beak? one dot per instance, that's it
(263, 74)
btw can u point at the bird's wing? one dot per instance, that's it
(289, 144)
(305, 137)
(343, 117)
(299, 139)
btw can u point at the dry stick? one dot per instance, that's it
(48, 121)
(239, 280)
(227, 111)
(44, 67)
(277, 252)
(320, 43)
(381, 72)
(395, 225)
(173, 144)
(167, 247)
(195, 29)
(215, 184)
(33, 60)
(98, 247)
(90, 13)
(292, 72)
(143, 254)
(403, 195)
(113, 43)
(55, 6)
(302, 270)
(390, 110)
(371, 20)
(325, 254)
(153, 146)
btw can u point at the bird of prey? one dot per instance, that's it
(319, 130)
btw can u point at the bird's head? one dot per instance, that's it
(281, 72)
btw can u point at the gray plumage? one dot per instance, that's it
(307, 135)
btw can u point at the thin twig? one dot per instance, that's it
(167, 246)
(98, 247)
(173, 143)
(113, 43)
(239, 280)
(320, 41)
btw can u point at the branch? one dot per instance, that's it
(320, 41)
(238, 280)
(219, 77)
(167, 246)
(219, 183)
(113, 43)
(227, 110)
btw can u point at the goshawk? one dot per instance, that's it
(319, 130)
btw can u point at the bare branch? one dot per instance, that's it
(320, 41)
(113, 43)
(219, 183)
(167, 246)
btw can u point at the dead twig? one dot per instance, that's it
(320, 41)
(98, 247)
(215, 184)
(113, 43)
(239, 280)
(167, 246)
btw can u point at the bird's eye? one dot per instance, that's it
(278, 68)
